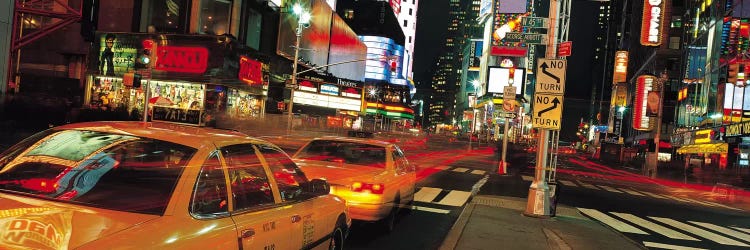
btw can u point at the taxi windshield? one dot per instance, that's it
(344, 152)
(99, 169)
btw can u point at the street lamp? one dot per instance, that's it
(303, 21)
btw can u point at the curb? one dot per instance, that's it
(454, 235)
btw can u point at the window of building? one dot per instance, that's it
(409, 39)
(410, 11)
(214, 16)
(674, 42)
(405, 23)
(252, 28)
(348, 13)
(164, 16)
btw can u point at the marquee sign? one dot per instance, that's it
(644, 85)
(621, 66)
(182, 59)
(652, 24)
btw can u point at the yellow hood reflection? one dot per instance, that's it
(27, 223)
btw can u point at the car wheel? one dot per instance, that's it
(337, 237)
(389, 222)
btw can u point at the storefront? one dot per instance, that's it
(388, 106)
(703, 148)
(191, 79)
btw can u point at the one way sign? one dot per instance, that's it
(547, 111)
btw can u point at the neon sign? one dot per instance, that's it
(250, 71)
(652, 26)
(182, 59)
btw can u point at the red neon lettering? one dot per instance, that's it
(18, 225)
(250, 71)
(182, 59)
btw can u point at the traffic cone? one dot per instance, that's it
(502, 168)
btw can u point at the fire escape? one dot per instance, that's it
(34, 19)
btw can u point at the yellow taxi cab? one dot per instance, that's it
(374, 177)
(138, 185)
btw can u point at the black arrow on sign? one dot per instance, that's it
(554, 106)
(544, 70)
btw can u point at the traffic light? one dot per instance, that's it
(143, 61)
(733, 72)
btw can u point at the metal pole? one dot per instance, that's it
(653, 167)
(290, 115)
(538, 197)
(503, 163)
(146, 96)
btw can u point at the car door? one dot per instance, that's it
(405, 173)
(309, 216)
(209, 205)
(262, 222)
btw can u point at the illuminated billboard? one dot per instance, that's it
(485, 8)
(652, 25)
(511, 6)
(621, 67)
(315, 39)
(345, 46)
(499, 77)
(383, 59)
(644, 85)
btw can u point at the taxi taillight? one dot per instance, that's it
(364, 187)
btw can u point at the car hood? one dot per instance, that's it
(339, 174)
(29, 223)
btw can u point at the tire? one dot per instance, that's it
(338, 236)
(389, 223)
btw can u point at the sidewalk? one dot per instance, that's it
(497, 222)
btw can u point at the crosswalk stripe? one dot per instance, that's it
(742, 229)
(608, 188)
(568, 183)
(700, 232)
(668, 246)
(442, 167)
(701, 202)
(426, 194)
(654, 195)
(589, 186)
(527, 178)
(723, 230)
(429, 209)
(455, 198)
(460, 170)
(479, 172)
(632, 192)
(612, 222)
(654, 227)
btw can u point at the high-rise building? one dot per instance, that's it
(407, 18)
(446, 81)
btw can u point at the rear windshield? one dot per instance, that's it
(344, 152)
(100, 169)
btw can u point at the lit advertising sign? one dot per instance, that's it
(652, 26)
(476, 54)
(396, 5)
(182, 59)
(382, 53)
(327, 101)
(703, 136)
(644, 85)
(620, 95)
(621, 67)
(250, 71)
(331, 3)
(308, 86)
(500, 78)
(351, 92)
(512, 6)
(329, 89)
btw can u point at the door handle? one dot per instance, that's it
(247, 233)
(296, 218)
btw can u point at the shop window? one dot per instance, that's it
(214, 17)
(674, 42)
(163, 16)
(253, 27)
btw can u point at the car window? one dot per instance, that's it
(344, 152)
(289, 177)
(210, 192)
(100, 169)
(248, 179)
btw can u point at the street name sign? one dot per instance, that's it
(550, 76)
(535, 22)
(527, 38)
(547, 111)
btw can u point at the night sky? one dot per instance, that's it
(432, 25)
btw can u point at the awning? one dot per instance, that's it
(709, 148)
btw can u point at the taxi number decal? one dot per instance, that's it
(308, 229)
(269, 226)
(270, 247)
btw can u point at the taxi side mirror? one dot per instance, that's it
(320, 187)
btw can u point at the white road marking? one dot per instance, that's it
(701, 202)
(527, 178)
(654, 195)
(455, 198)
(654, 227)
(608, 188)
(742, 229)
(429, 209)
(632, 192)
(460, 170)
(479, 172)
(568, 183)
(722, 205)
(723, 230)
(612, 222)
(700, 232)
(426, 194)
(667, 246)
(589, 186)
